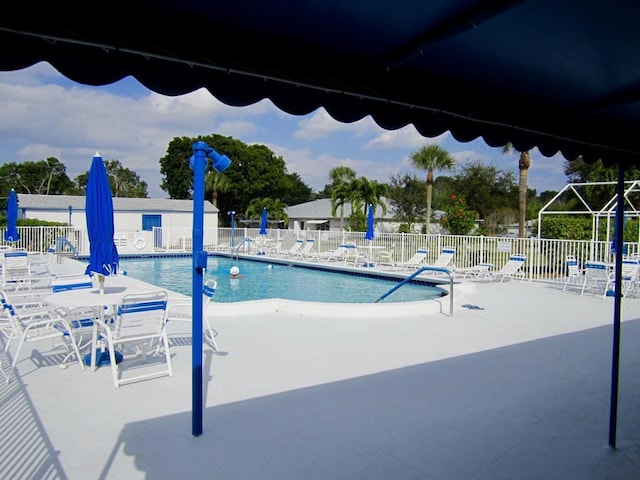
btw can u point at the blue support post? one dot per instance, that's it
(233, 226)
(199, 165)
(198, 162)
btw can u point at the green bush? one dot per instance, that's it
(34, 222)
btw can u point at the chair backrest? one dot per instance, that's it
(340, 251)
(15, 262)
(515, 263)
(445, 258)
(419, 256)
(64, 283)
(630, 269)
(208, 289)
(295, 247)
(308, 246)
(593, 269)
(572, 266)
(141, 315)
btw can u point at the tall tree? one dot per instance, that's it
(485, 187)
(123, 181)
(432, 158)
(299, 191)
(406, 198)
(340, 177)
(524, 163)
(43, 177)
(255, 172)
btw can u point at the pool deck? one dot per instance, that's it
(515, 385)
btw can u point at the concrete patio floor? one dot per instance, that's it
(515, 385)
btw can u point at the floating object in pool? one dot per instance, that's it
(269, 267)
(234, 271)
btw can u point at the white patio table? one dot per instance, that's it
(112, 296)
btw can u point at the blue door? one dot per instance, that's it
(150, 221)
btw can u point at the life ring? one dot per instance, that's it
(140, 243)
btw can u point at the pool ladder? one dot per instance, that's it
(418, 272)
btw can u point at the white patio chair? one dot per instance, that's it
(596, 276)
(16, 269)
(630, 271)
(81, 319)
(385, 257)
(574, 273)
(511, 269)
(182, 312)
(351, 254)
(36, 325)
(141, 321)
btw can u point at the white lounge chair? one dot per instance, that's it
(480, 270)
(417, 260)
(334, 255)
(307, 250)
(511, 269)
(293, 249)
(445, 258)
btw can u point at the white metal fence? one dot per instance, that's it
(545, 257)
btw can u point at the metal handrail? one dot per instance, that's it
(418, 272)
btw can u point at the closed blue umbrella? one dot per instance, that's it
(263, 222)
(617, 231)
(11, 233)
(263, 229)
(370, 220)
(103, 258)
(369, 235)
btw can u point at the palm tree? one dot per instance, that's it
(524, 163)
(340, 194)
(370, 192)
(340, 179)
(431, 158)
(275, 209)
(216, 183)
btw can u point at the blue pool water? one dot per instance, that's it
(260, 280)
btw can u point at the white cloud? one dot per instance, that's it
(320, 124)
(406, 137)
(43, 114)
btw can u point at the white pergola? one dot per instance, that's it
(598, 214)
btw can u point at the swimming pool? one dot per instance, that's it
(261, 280)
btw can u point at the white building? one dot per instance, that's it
(134, 218)
(316, 215)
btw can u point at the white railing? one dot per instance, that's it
(545, 257)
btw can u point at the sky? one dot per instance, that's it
(43, 114)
